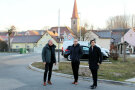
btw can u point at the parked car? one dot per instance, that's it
(70, 43)
(85, 55)
(106, 50)
(127, 52)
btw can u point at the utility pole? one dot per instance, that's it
(59, 35)
(124, 43)
(9, 42)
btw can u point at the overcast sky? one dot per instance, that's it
(35, 14)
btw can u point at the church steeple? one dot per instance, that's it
(75, 11)
(75, 21)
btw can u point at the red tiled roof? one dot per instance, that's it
(52, 34)
(32, 32)
(62, 30)
(5, 38)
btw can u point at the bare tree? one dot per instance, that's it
(133, 20)
(84, 31)
(123, 22)
(115, 22)
(10, 31)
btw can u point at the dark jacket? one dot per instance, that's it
(75, 53)
(47, 54)
(95, 57)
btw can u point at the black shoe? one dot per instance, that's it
(93, 87)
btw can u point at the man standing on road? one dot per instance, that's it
(95, 59)
(75, 55)
(48, 57)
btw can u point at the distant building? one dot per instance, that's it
(25, 41)
(48, 35)
(102, 37)
(129, 37)
(75, 20)
(63, 31)
(35, 43)
(4, 36)
(31, 32)
(117, 34)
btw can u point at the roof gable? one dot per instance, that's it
(103, 34)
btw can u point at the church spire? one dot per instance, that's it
(75, 11)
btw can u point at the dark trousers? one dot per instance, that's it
(94, 76)
(49, 67)
(75, 68)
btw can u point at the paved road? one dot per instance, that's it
(15, 75)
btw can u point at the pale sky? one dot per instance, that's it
(36, 14)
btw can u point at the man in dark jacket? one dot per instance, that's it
(48, 57)
(75, 55)
(95, 59)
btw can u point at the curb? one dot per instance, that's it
(83, 78)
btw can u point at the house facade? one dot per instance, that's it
(49, 35)
(26, 41)
(129, 37)
(35, 43)
(102, 37)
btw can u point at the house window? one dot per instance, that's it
(54, 32)
(17, 47)
(28, 46)
(74, 22)
(61, 39)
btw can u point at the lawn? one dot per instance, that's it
(117, 70)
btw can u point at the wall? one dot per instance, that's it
(22, 45)
(43, 41)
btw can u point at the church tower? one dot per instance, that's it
(75, 20)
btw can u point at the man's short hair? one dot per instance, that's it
(49, 40)
(92, 41)
(75, 39)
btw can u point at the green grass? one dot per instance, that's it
(117, 70)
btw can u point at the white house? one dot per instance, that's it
(129, 37)
(102, 37)
(44, 40)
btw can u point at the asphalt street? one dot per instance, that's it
(15, 75)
